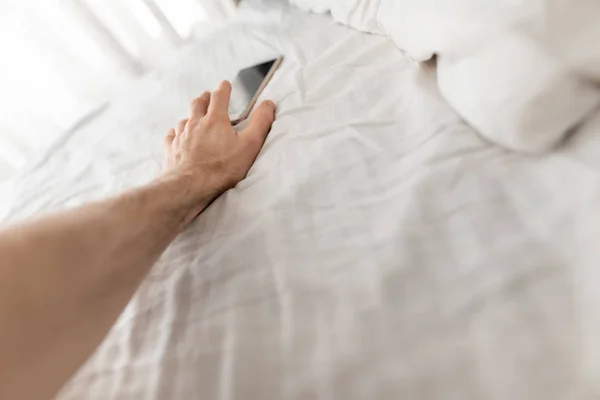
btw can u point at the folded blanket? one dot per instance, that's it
(522, 73)
(515, 93)
(422, 28)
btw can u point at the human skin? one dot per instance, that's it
(66, 277)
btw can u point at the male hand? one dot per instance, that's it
(207, 150)
(65, 278)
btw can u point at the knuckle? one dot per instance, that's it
(191, 124)
(198, 101)
(262, 119)
(264, 112)
(253, 140)
(212, 119)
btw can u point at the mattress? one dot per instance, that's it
(378, 249)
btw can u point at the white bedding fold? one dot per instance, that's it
(378, 249)
(522, 73)
(359, 14)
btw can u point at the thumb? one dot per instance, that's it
(260, 124)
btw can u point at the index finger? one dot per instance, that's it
(219, 100)
(199, 105)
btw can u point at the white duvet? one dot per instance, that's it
(522, 73)
(378, 249)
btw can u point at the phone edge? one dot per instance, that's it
(261, 88)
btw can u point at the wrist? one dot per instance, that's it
(191, 193)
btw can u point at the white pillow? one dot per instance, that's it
(514, 93)
(422, 28)
(358, 14)
(518, 71)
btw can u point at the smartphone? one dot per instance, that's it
(247, 86)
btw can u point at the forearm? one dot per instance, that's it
(65, 279)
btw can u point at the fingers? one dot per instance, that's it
(260, 123)
(170, 137)
(199, 105)
(181, 126)
(219, 100)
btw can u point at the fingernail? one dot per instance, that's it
(270, 103)
(223, 84)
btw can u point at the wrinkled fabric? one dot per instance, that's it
(522, 73)
(378, 249)
(358, 14)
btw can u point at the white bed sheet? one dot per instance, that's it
(378, 249)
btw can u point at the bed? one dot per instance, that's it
(379, 248)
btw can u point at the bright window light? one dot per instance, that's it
(182, 14)
(11, 156)
(68, 30)
(105, 12)
(30, 80)
(144, 16)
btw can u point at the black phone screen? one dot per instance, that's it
(245, 85)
